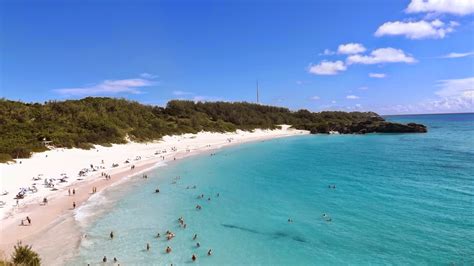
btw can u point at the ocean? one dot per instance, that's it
(351, 199)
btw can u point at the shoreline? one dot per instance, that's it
(59, 213)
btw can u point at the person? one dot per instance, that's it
(73, 191)
(28, 219)
(168, 249)
(194, 257)
(158, 235)
(115, 259)
(147, 246)
(195, 236)
(218, 194)
(111, 234)
(209, 253)
(69, 191)
(73, 204)
(45, 201)
(104, 259)
(198, 245)
(290, 220)
(157, 190)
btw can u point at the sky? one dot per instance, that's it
(391, 56)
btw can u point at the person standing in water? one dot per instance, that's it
(111, 234)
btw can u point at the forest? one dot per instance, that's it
(26, 127)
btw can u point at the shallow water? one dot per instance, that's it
(399, 199)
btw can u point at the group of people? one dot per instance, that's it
(28, 219)
(107, 176)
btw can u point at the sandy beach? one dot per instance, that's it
(66, 164)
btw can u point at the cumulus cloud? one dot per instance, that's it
(457, 55)
(382, 55)
(132, 86)
(327, 68)
(352, 97)
(455, 7)
(417, 30)
(351, 48)
(377, 75)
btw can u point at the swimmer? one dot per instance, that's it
(194, 258)
(158, 235)
(209, 253)
(168, 249)
(198, 245)
(195, 236)
(147, 246)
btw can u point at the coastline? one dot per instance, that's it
(48, 222)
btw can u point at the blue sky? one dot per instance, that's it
(404, 56)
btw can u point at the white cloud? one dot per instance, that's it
(333, 102)
(315, 98)
(351, 48)
(377, 75)
(457, 55)
(148, 76)
(364, 88)
(180, 93)
(327, 68)
(456, 7)
(453, 95)
(201, 98)
(327, 52)
(458, 88)
(382, 55)
(352, 97)
(416, 30)
(109, 87)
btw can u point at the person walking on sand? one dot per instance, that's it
(73, 204)
(28, 219)
(69, 192)
(73, 191)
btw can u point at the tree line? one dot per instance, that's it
(27, 127)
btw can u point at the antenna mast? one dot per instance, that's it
(257, 93)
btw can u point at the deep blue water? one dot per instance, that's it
(399, 199)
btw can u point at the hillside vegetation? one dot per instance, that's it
(82, 123)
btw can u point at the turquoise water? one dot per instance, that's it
(399, 199)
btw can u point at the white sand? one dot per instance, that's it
(57, 162)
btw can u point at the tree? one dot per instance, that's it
(24, 255)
